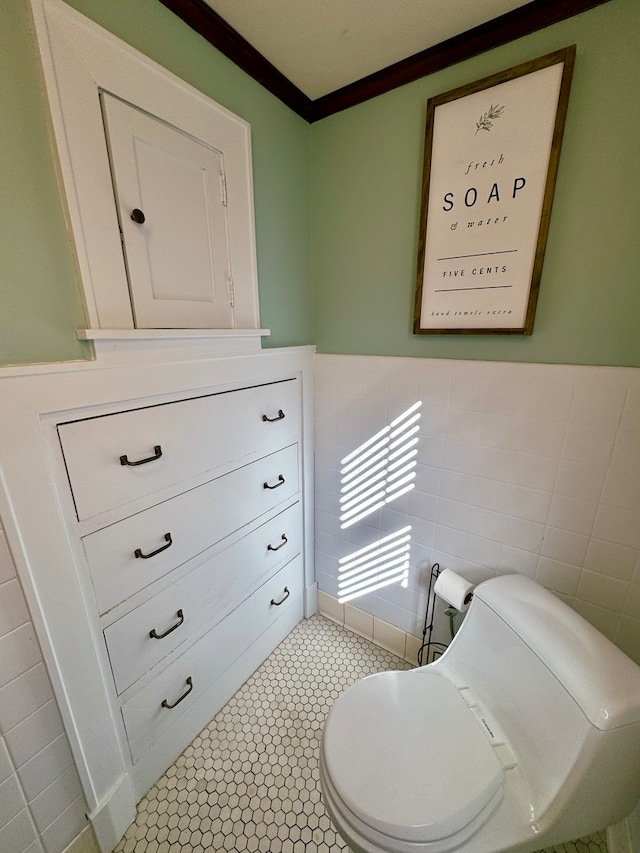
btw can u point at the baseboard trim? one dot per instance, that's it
(83, 843)
(619, 838)
(382, 633)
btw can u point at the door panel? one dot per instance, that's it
(171, 199)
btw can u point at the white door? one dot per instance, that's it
(170, 193)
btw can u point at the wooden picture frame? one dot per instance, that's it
(491, 158)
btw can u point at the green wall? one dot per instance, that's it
(40, 302)
(366, 177)
(337, 203)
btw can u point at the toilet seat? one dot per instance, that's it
(406, 757)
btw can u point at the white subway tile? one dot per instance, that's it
(529, 504)
(548, 402)
(45, 767)
(632, 602)
(325, 377)
(428, 478)
(564, 546)
(501, 431)
(542, 438)
(468, 393)
(460, 457)
(422, 531)
(12, 800)
(433, 389)
(13, 607)
(329, 606)
(65, 828)
(348, 380)
(557, 576)
(606, 621)
(450, 541)
(24, 695)
(516, 560)
(487, 524)
(626, 451)
(358, 621)
(600, 406)
(631, 413)
(388, 636)
(457, 487)
(17, 835)
(34, 733)
(528, 448)
(423, 506)
(578, 480)
(453, 514)
(617, 525)
(19, 651)
(523, 534)
(482, 552)
(628, 637)
(433, 422)
(55, 799)
(588, 443)
(572, 514)
(7, 567)
(611, 559)
(464, 426)
(622, 488)
(6, 765)
(324, 413)
(602, 591)
(431, 452)
(402, 393)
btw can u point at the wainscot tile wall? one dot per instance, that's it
(42, 809)
(528, 468)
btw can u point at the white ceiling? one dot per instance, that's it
(322, 45)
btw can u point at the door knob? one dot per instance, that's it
(137, 215)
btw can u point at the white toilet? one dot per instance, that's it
(524, 734)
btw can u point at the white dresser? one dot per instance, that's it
(180, 554)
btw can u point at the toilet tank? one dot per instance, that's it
(566, 698)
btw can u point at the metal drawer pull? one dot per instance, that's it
(168, 540)
(278, 417)
(277, 547)
(157, 450)
(157, 636)
(283, 599)
(166, 704)
(279, 483)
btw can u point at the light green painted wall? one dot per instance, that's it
(366, 177)
(337, 222)
(40, 303)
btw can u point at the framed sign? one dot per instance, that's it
(491, 158)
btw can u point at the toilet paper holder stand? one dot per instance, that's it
(430, 650)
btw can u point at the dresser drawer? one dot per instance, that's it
(172, 532)
(136, 643)
(161, 702)
(114, 459)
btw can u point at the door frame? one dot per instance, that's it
(79, 60)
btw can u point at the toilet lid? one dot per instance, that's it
(407, 756)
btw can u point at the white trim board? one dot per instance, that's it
(35, 512)
(80, 60)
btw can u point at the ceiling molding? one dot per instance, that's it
(201, 18)
(522, 21)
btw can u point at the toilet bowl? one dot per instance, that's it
(524, 734)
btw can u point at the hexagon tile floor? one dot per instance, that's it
(249, 781)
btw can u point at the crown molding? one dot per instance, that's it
(522, 21)
(202, 18)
